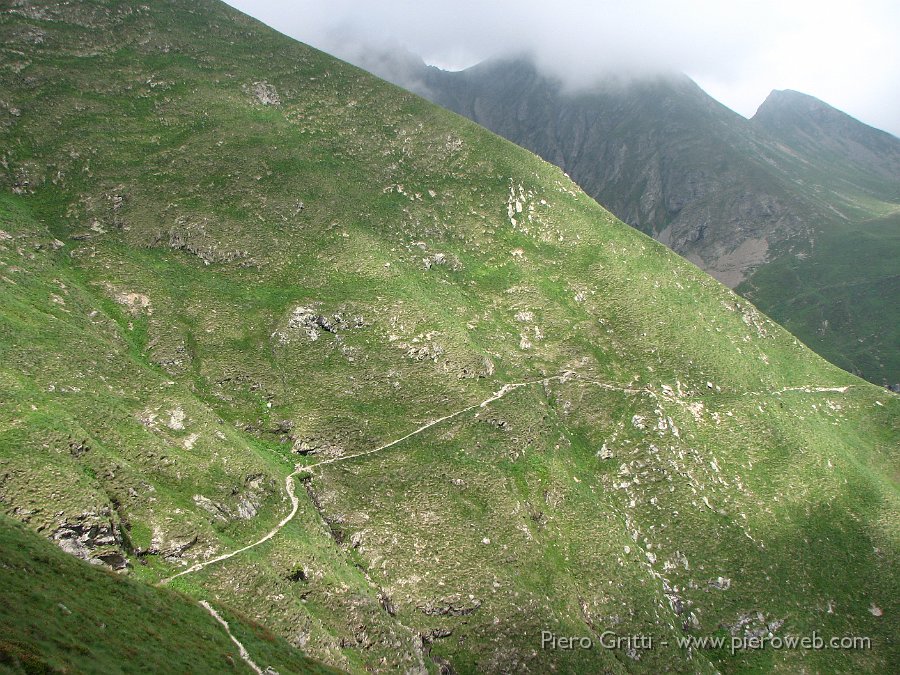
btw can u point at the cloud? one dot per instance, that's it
(843, 53)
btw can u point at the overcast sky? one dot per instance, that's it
(847, 53)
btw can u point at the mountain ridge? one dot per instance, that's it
(808, 125)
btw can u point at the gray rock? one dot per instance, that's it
(720, 583)
(266, 94)
(754, 625)
(92, 537)
(175, 549)
(311, 321)
(450, 606)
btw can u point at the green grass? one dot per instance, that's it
(167, 420)
(846, 288)
(59, 614)
(805, 190)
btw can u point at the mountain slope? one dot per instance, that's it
(826, 137)
(227, 257)
(60, 615)
(844, 289)
(753, 203)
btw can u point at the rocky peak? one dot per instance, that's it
(803, 122)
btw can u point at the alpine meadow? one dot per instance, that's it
(313, 375)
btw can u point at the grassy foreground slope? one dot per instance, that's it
(224, 254)
(59, 614)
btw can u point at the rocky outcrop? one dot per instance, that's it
(171, 547)
(247, 501)
(327, 448)
(753, 625)
(449, 261)
(265, 93)
(192, 236)
(311, 322)
(453, 605)
(93, 537)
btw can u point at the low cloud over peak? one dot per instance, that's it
(738, 51)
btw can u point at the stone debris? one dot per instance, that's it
(312, 322)
(525, 316)
(176, 419)
(754, 625)
(720, 583)
(442, 260)
(450, 606)
(314, 446)
(134, 303)
(266, 93)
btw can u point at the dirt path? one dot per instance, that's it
(295, 504)
(807, 389)
(497, 395)
(500, 393)
(245, 655)
(290, 485)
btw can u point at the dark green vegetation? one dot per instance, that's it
(59, 614)
(224, 254)
(796, 208)
(849, 290)
(845, 286)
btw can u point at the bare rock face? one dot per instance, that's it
(327, 448)
(92, 537)
(248, 501)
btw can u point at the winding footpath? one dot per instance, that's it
(295, 501)
(295, 505)
(496, 396)
(500, 393)
(290, 485)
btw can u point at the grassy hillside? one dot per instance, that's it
(840, 307)
(224, 255)
(758, 204)
(59, 614)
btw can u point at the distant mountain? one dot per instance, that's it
(796, 208)
(824, 136)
